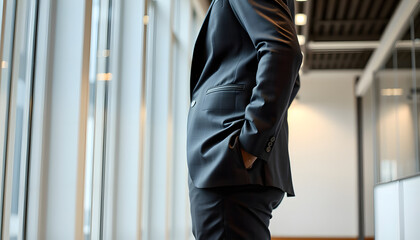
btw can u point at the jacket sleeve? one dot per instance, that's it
(295, 89)
(271, 29)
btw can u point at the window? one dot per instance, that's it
(397, 99)
(17, 81)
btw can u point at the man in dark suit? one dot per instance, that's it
(244, 77)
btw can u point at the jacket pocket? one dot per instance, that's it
(230, 97)
(226, 88)
(235, 147)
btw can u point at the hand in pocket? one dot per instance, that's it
(248, 159)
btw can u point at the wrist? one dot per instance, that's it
(248, 158)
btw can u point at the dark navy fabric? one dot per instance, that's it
(244, 76)
(233, 213)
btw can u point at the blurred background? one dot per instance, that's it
(94, 96)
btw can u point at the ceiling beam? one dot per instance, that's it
(339, 22)
(320, 37)
(356, 45)
(394, 30)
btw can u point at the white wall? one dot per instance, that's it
(411, 214)
(397, 210)
(323, 155)
(387, 211)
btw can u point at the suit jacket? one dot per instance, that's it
(244, 76)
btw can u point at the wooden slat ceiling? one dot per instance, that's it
(348, 21)
(337, 59)
(402, 59)
(343, 20)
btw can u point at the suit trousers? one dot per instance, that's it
(234, 212)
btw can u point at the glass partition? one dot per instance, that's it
(99, 84)
(415, 91)
(17, 53)
(6, 40)
(397, 100)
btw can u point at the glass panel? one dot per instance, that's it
(20, 114)
(100, 77)
(1, 15)
(6, 47)
(396, 127)
(415, 91)
(398, 108)
(87, 226)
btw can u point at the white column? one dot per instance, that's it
(62, 118)
(127, 156)
(180, 226)
(158, 122)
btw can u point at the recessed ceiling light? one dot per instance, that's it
(300, 19)
(392, 92)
